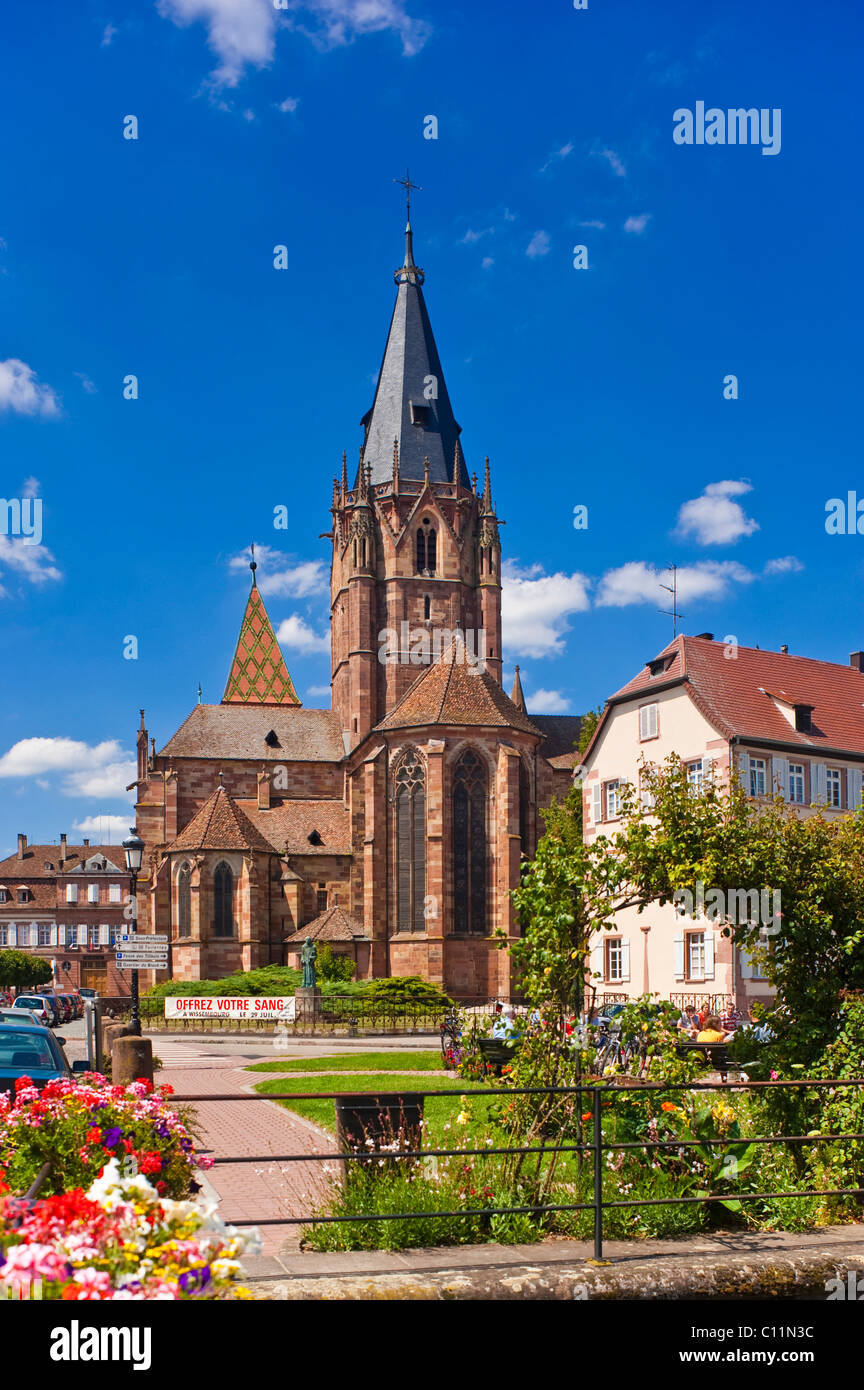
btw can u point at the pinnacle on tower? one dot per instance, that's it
(516, 694)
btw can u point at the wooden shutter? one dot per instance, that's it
(678, 955)
(707, 768)
(648, 721)
(12, 936)
(709, 955)
(818, 782)
(625, 959)
(104, 935)
(52, 934)
(61, 934)
(780, 777)
(853, 788)
(596, 803)
(597, 959)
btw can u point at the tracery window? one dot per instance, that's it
(410, 843)
(223, 901)
(184, 901)
(469, 844)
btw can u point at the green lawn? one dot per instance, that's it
(358, 1062)
(438, 1111)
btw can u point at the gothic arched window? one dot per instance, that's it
(469, 844)
(427, 548)
(410, 844)
(184, 901)
(524, 810)
(223, 901)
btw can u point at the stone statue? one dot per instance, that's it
(308, 957)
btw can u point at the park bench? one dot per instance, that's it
(497, 1052)
(715, 1054)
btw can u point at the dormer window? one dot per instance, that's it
(314, 838)
(272, 740)
(804, 719)
(659, 666)
(23, 895)
(419, 415)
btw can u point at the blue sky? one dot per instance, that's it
(602, 386)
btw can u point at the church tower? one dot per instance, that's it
(416, 549)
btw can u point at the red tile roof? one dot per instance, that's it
(259, 675)
(332, 925)
(220, 824)
(287, 826)
(36, 857)
(455, 690)
(732, 693)
(239, 732)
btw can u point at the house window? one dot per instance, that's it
(71, 892)
(647, 722)
(92, 892)
(835, 795)
(114, 893)
(4, 895)
(695, 777)
(71, 934)
(184, 901)
(321, 897)
(613, 800)
(695, 955)
(469, 845)
(223, 901)
(410, 844)
(796, 783)
(757, 777)
(93, 937)
(613, 959)
(43, 934)
(4, 936)
(23, 895)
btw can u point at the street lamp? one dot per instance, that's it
(134, 851)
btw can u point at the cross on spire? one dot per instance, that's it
(408, 185)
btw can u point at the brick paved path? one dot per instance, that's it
(248, 1191)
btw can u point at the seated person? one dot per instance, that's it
(504, 1028)
(689, 1021)
(711, 1032)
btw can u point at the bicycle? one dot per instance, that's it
(451, 1033)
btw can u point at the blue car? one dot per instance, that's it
(34, 1052)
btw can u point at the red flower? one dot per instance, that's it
(70, 1291)
(166, 1090)
(161, 1186)
(150, 1162)
(93, 1136)
(128, 1146)
(22, 1082)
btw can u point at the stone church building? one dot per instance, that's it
(392, 824)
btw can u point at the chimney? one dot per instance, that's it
(856, 659)
(263, 790)
(62, 850)
(784, 650)
(86, 844)
(22, 845)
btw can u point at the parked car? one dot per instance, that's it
(53, 1005)
(33, 1052)
(38, 1005)
(87, 993)
(77, 1004)
(69, 1005)
(25, 1016)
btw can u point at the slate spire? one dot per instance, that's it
(411, 403)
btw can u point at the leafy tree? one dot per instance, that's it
(20, 971)
(590, 720)
(331, 966)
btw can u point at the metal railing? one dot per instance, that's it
(596, 1096)
(346, 1014)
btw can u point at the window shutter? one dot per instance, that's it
(13, 934)
(104, 936)
(596, 803)
(853, 788)
(625, 960)
(781, 777)
(709, 955)
(707, 768)
(597, 959)
(61, 934)
(114, 893)
(743, 761)
(678, 948)
(52, 935)
(745, 966)
(647, 799)
(648, 721)
(71, 892)
(818, 782)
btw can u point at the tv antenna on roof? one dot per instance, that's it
(673, 590)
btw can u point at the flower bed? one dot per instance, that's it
(118, 1240)
(80, 1125)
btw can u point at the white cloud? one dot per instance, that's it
(295, 632)
(242, 33)
(637, 225)
(471, 235)
(786, 564)
(289, 104)
(547, 702)
(715, 518)
(30, 487)
(538, 245)
(535, 606)
(107, 35)
(593, 223)
(280, 575)
(87, 769)
(487, 262)
(32, 563)
(638, 582)
(556, 156)
(615, 162)
(21, 391)
(318, 691)
(249, 115)
(107, 829)
(86, 384)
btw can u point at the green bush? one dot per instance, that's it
(332, 967)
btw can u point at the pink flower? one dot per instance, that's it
(95, 1283)
(774, 1075)
(24, 1263)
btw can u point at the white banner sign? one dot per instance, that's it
(181, 1006)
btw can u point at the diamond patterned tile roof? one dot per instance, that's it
(259, 675)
